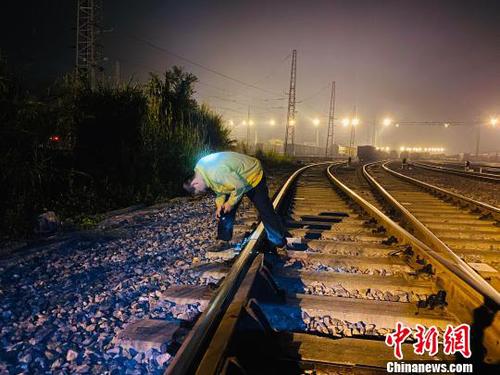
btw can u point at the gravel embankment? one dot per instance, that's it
(62, 304)
(479, 190)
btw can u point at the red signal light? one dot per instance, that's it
(54, 138)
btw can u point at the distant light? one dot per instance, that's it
(355, 121)
(387, 148)
(493, 121)
(377, 148)
(446, 125)
(387, 121)
(402, 148)
(54, 138)
(272, 122)
(292, 122)
(231, 122)
(250, 122)
(397, 125)
(316, 121)
(345, 122)
(244, 122)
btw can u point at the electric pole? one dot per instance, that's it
(290, 117)
(331, 125)
(353, 134)
(88, 41)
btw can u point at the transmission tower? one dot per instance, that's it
(290, 117)
(331, 125)
(89, 55)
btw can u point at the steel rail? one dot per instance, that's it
(489, 177)
(466, 295)
(443, 253)
(477, 204)
(192, 348)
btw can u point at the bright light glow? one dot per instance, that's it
(397, 125)
(423, 149)
(387, 121)
(250, 122)
(292, 122)
(316, 121)
(244, 122)
(345, 122)
(231, 122)
(387, 148)
(355, 121)
(493, 121)
(446, 125)
(377, 148)
(272, 122)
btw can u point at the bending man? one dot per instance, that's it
(231, 175)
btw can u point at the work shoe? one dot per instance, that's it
(220, 245)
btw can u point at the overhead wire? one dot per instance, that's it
(201, 66)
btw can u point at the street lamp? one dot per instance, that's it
(446, 125)
(493, 122)
(353, 122)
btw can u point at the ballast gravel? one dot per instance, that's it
(62, 304)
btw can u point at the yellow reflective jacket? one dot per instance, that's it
(229, 173)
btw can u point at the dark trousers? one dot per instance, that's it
(273, 225)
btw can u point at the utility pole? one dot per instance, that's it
(88, 41)
(290, 117)
(478, 138)
(353, 134)
(331, 125)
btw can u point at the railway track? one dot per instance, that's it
(486, 174)
(327, 304)
(451, 223)
(493, 168)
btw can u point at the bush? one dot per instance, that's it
(79, 151)
(272, 159)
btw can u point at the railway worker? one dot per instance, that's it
(231, 175)
(467, 166)
(404, 163)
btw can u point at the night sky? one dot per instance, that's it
(410, 60)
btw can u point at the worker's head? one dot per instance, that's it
(195, 184)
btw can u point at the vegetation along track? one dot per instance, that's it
(328, 303)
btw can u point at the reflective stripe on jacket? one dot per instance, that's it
(229, 173)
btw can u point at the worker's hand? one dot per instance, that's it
(218, 212)
(227, 208)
